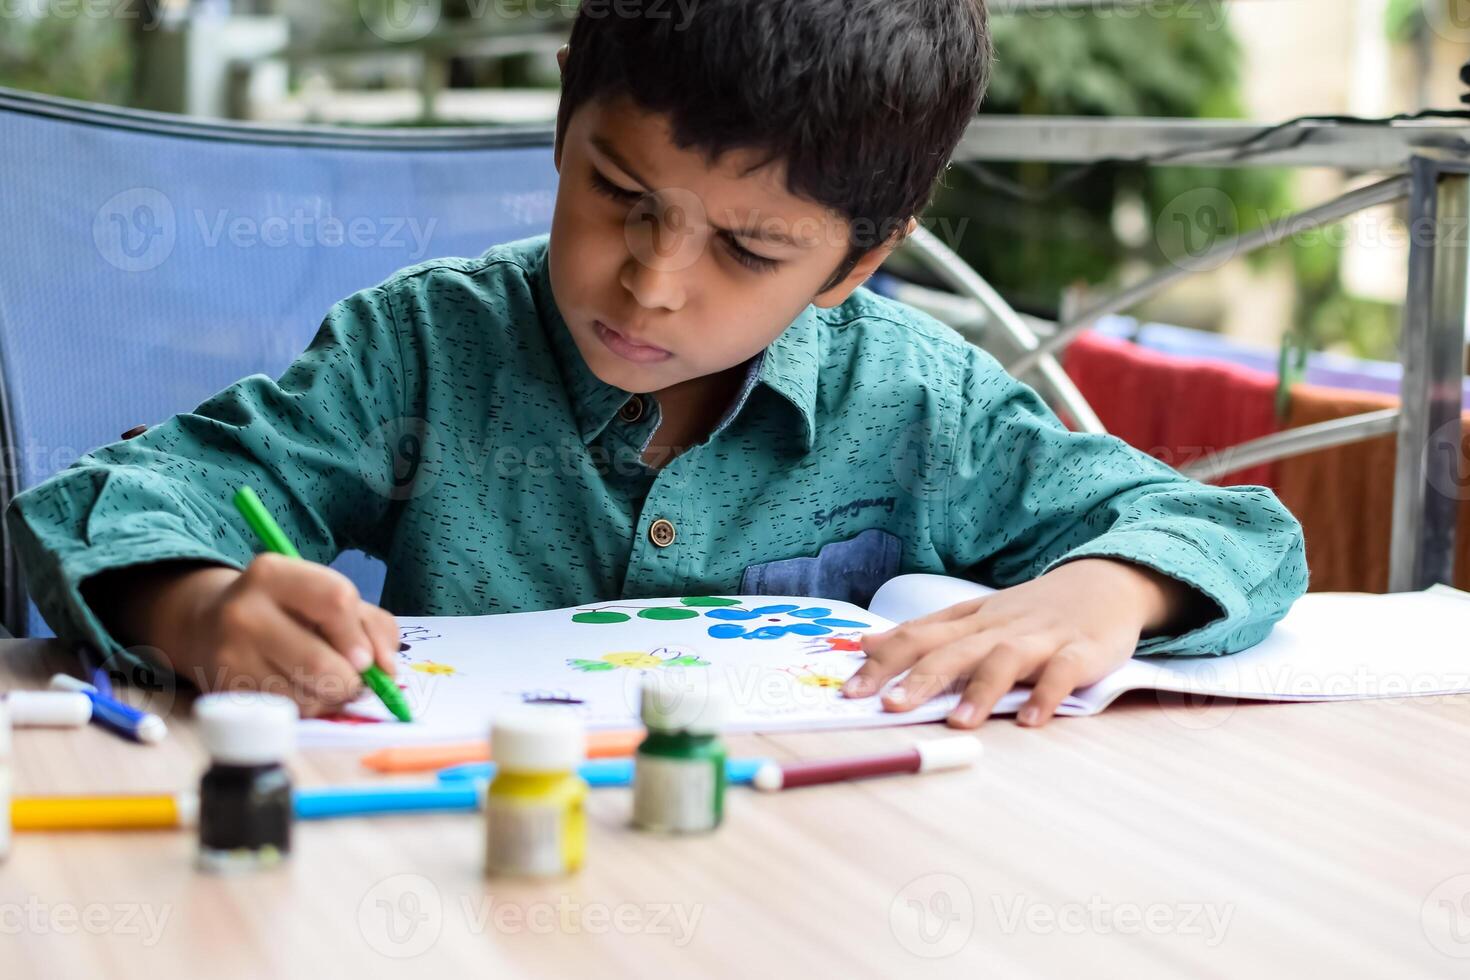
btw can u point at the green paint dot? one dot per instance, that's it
(601, 617)
(667, 612)
(708, 600)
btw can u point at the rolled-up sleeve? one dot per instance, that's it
(1023, 494)
(305, 442)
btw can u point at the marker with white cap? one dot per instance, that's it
(112, 714)
(48, 709)
(956, 752)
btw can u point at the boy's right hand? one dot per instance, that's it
(284, 625)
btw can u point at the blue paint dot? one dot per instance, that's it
(843, 623)
(811, 612)
(778, 608)
(731, 614)
(776, 632)
(726, 631)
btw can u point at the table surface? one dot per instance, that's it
(1160, 838)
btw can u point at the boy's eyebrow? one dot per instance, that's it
(771, 236)
(605, 146)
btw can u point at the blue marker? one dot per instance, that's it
(601, 772)
(320, 802)
(94, 670)
(112, 714)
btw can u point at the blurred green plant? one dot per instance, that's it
(1166, 61)
(73, 56)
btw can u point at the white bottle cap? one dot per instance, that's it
(48, 709)
(539, 739)
(684, 701)
(246, 728)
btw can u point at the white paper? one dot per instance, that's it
(911, 596)
(782, 660)
(1329, 647)
(459, 671)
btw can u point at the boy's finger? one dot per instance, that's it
(945, 669)
(870, 677)
(909, 641)
(938, 671)
(1060, 677)
(312, 669)
(947, 614)
(990, 682)
(383, 629)
(326, 599)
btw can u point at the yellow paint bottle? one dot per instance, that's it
(535, 818)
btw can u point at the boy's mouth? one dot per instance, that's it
(627, 349)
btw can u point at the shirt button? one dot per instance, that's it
(632, 409)
(661, 533)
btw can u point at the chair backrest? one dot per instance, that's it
(154, 260)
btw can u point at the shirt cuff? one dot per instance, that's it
(58, 594)
(1184, 561)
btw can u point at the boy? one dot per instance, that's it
(683, 390)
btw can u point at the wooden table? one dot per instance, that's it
(1157, 839)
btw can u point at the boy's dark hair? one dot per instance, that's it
(864, 100)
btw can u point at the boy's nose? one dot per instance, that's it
(651, 286)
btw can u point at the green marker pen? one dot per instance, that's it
(250, 507)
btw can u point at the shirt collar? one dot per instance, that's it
(788, 367)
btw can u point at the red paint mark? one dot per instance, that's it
(342, 718)
(837, 643)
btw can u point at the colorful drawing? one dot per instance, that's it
(343, 718)
(813, 621)
(417, 634)
(638, 660)
(688, 608)
(549, 697)
(814, 677)
(840, 643)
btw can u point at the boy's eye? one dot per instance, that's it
(747, 258)
(758, 263)
(607, 188)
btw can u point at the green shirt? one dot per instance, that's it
(444, 422)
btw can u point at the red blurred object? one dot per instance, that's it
(1177, 409)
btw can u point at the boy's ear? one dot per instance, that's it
(561, 57)
(866, 266)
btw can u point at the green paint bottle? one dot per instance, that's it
(679, 771)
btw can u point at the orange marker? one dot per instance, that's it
(423, 758)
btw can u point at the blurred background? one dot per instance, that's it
(1214, 361)
(491, 63)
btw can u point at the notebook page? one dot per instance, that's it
(919, 594)
(1342, 646)
(783, 659)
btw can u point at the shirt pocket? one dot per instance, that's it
(849, 571)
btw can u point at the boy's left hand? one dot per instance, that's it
(1064, 630)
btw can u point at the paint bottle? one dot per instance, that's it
(4, 781)
(245, 808)
(679, 770)
(535, 821)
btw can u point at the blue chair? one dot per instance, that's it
(153, 260)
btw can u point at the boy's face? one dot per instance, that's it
(667, 268)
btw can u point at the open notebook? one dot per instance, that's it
(783, 659)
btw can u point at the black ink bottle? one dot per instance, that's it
(245, 807)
